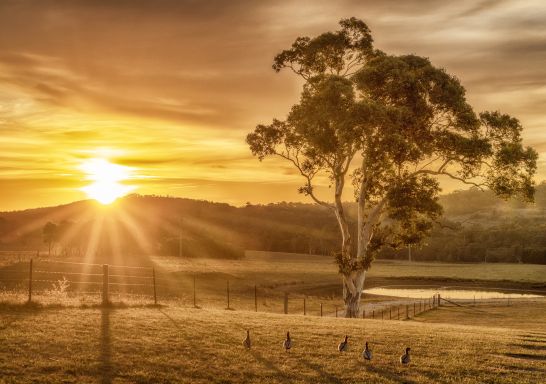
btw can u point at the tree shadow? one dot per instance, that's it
(530, 346)
(206, 356)
(320, 371)
(106, 367)
(12, 312)
(534, 335)
(269, 365)
(524, 369)
(389, 375)
(526, 356)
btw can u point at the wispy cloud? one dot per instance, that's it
(174, 86)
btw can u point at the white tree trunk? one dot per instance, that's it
(352, 290)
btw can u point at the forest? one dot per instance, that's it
(475, 227)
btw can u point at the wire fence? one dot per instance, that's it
(109, 282)
(63, 279)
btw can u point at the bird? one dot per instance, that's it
(246, 341)
(343, 346)
(287, 344)
(367, 353)
(405, 358)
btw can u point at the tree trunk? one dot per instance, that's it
(352, 290)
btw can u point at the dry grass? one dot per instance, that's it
(526, 273)
(82, 343)
(175, 344)
(286, 267)
(530, 314)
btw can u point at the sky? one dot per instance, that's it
(170, 89)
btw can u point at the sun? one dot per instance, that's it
(106, 179)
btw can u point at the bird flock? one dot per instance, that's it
(342, 347)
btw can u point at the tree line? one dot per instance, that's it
(476, 227)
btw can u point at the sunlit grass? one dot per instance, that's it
(174, 344)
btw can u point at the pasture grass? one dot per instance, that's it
(531, 314)
(176, 344)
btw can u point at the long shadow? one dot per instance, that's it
(530, 346)
(210, 357)
(390, 375)
(199, 352)
(268, 364)
(524, 369)
(12, 312)
(526, 356)
(322, 373)
(106, 367)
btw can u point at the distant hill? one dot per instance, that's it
(476, 227)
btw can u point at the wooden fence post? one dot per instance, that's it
(336, 310)
(439, 304)
(382, 313)
(407, 311)
(373, 314)
(398, 317)
(414, 309)
(363, 313)
(105, 284)
(304, 309)
(30, 281)
(255, 298)
(286, 303)
(390, 313)
(320, 309)
(227, 289)
(155, 291)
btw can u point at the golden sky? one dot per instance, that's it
(171, 88)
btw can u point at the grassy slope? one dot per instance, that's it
(175, 344)
(530, 273)
(530, 315)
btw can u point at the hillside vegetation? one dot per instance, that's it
(476, 227)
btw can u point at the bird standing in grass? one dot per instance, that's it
(344, 345)
(405, 358)
(246, 341)
(287, 344)
(367, 353)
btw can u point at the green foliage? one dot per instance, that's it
(331, 52)
(398, 123)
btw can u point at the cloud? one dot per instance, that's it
(176, 85)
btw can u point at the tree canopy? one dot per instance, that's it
(390, 126)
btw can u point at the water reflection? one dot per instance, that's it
(448, 293)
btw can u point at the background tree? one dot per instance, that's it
(390, 126)
(50, 234)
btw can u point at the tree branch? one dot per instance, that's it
(308, 178)
(454, 177)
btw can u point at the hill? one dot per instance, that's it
(476, 227)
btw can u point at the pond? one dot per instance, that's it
(452, 292)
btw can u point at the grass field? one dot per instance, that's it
(178, 343)
(530, 315)
(175, 344)
(311, 267)
(313, 278)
